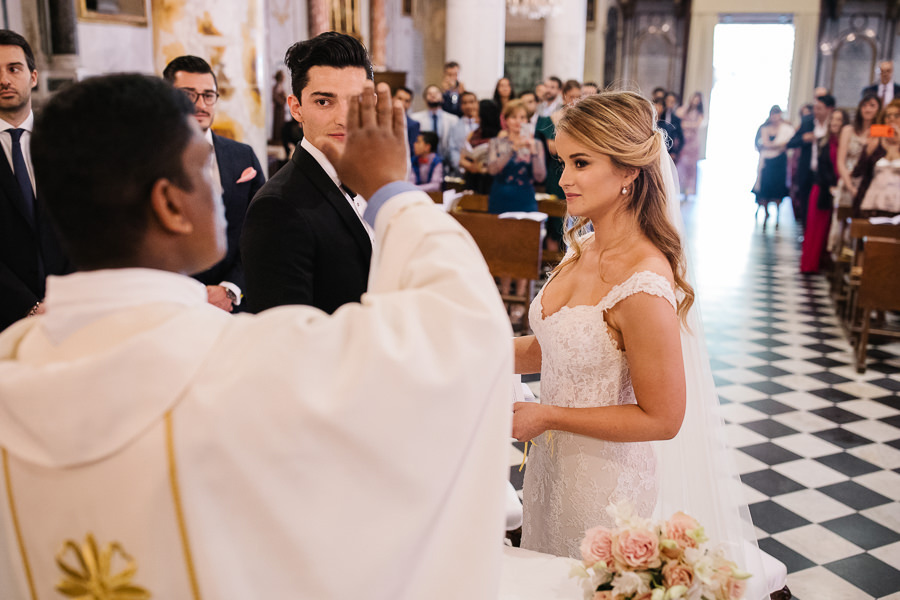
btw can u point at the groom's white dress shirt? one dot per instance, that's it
(284, 455)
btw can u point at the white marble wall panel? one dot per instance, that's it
(229, 34)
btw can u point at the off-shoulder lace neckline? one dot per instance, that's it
(565, 307)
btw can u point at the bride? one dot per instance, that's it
(621, 354)
(607, 324)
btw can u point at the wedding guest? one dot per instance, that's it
(884, 89)
(244, 452)
(452, 88)
(516, 161)
(854, 138)
(503, 93)
(589, 88)
(571, 92)
(427, 169)
(468, 122)
(878, 192)
(29, 246)
(772, 138)
(474, 156)
(810, 130)
(237, 176)
(551, 101)
(672, 127)
(531, 104)
(691, 117)
(436, 119)
(404, 95)
(821, 197)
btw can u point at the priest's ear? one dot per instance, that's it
(168, 207)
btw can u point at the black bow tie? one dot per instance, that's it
(350, 192)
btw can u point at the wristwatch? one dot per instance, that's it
(230, 295)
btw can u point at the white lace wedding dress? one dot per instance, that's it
(570, 479)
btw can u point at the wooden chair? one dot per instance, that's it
(847, 303)
(511, 248)
(436, 197)
(878, 290)
(554, 207)
(841, 255)
(473, 203)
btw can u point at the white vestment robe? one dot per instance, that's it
(289, 454)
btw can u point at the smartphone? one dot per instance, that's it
(884, 131)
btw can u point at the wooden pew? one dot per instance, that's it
(878, 290)
(511, 248)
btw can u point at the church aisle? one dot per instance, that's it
(817, 445)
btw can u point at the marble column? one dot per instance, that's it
(229, 34)
(564, 40)
(379, 28)
(318, 17)
(476, 38)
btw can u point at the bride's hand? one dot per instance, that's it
(529, 420)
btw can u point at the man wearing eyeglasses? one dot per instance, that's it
(236, 173)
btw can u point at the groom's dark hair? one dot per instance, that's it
(329, 49)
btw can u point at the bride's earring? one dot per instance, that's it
(624, 190)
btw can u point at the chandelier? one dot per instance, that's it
(532, 9)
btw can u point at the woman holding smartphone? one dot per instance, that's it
(879, 168)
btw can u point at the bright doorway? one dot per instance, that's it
(751, 73)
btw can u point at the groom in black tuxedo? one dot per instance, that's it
(29, 249)
(239, 178)
(304, 239)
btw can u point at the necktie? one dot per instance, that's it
(21, 173)
(434, 125)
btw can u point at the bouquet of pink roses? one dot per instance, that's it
(641, 560)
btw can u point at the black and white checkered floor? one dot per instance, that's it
(817, 444)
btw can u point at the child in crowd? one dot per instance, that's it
(427, 169)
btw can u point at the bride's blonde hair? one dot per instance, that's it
(622, 126)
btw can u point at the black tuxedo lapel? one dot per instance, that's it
(317, 175)
(11, 190)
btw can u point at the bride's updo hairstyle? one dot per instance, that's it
(622, 126)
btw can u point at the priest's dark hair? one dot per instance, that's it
(188, 64)
(96, 162)
(329, 49)
(9, 37)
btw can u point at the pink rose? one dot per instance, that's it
(677, 529)
(676, 573)
(597, 546)
(636, 549)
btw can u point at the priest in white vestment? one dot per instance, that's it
(155, 446)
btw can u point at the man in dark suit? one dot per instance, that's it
(884, 88)
(29, 249)
(404, 95)
(812, 127)
(236, 173)
(304, 239)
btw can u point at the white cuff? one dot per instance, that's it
(234, 289)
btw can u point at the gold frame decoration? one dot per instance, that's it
(123, 17)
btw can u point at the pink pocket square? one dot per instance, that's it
(248, 174)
